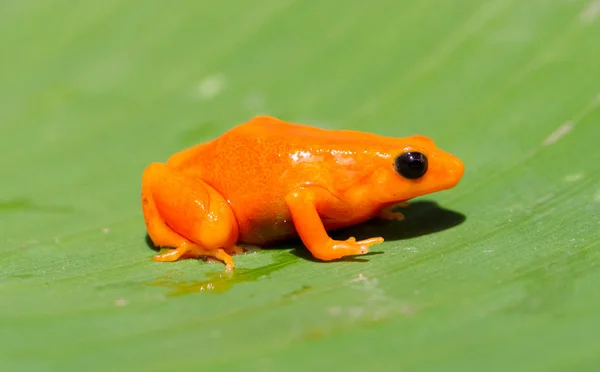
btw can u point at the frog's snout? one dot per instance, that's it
(454, 170)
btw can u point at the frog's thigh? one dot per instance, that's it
(161, 234)
(180, 209)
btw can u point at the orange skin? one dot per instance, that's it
(267, 180)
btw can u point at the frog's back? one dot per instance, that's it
(275, 131)
(266, 155)
(268, 152)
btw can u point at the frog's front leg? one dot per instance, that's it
(187, 214)
(303, 204)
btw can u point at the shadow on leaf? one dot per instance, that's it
(421, 218)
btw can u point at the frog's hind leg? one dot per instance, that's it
(186, 214)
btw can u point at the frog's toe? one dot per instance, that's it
(172, 254)
(389, 215)
(371, 241)
(334, 249)
(221, 255)
(236, 250)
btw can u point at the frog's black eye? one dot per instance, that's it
(411, 165)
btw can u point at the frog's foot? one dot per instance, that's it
(387, 213)
(194, 251)
(336, 249)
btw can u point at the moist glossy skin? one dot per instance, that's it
(268, 180)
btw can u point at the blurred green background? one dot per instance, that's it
(92, 92)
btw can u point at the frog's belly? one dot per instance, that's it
(266, 231)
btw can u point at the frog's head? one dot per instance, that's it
(419, 167)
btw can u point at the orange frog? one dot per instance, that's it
(268, 180)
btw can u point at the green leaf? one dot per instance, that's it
(500, 273)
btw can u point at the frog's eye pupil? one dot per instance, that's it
(411, 165)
